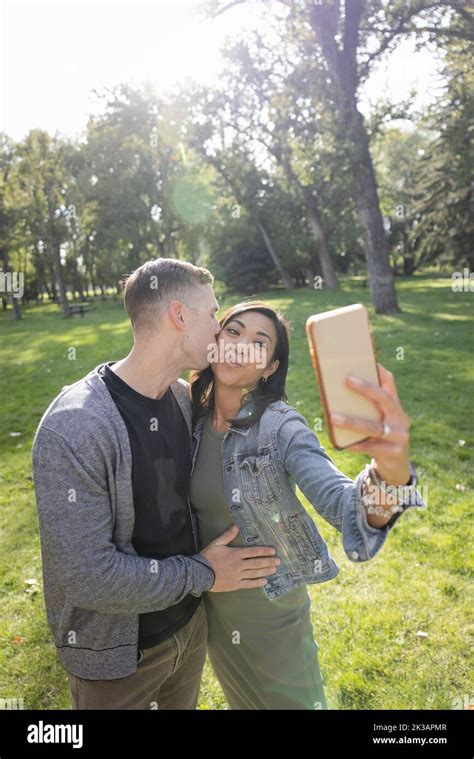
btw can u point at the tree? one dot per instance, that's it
(7, 216)
(443, 187)
(397, 155)
(230, 157)
(37, 189)
(264, 99)
(345, 32)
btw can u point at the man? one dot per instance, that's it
(123, 578)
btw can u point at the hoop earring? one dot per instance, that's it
(264, 379)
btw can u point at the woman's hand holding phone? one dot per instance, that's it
(390, 452)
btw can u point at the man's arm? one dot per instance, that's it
(76, 527)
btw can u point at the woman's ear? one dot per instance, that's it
(274, 366)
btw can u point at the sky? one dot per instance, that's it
(54, 55)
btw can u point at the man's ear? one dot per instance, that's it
(176, 312)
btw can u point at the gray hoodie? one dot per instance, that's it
(95, 584)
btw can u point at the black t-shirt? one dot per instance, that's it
(161, 468)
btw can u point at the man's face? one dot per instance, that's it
(202, 327)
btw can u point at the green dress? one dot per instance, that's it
(262, 650)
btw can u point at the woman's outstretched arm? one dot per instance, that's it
(339, 499)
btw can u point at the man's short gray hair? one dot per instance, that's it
(150, 288)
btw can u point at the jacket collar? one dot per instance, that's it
(244, 412)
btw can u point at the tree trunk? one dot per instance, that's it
(287, 280)
(322, 250)
(382, 285)
(53, 292)
(408, 265)
(343, 70)
(48, 291)
(16, 308)
(315, 224)
(58, 270)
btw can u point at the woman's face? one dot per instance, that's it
(245, 346)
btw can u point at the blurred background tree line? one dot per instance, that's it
(272, 178)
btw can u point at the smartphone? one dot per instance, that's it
(341, 343)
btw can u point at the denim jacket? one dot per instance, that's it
(261, 465)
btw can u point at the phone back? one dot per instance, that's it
(340, 343)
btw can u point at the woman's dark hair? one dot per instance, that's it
(202, 382)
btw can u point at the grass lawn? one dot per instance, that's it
(366, 620)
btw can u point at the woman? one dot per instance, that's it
(250, 449)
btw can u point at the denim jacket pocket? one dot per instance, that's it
(260, 480)
(308, 553)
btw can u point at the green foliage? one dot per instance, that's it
(443, 194)
(257, 171)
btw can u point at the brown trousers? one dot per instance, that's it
(168, 675)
